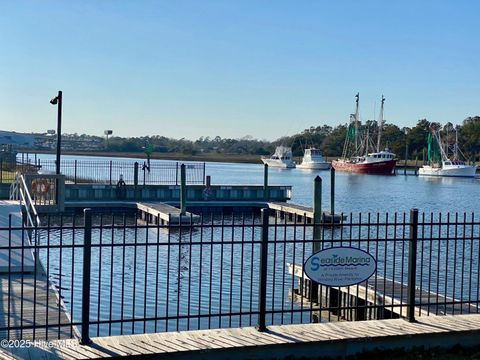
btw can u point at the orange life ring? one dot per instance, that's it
(40, 186)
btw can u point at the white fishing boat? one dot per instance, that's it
(440, 164)
(313, 160)
(282, 158)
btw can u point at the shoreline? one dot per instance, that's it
(208, 157)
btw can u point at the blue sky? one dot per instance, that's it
(234, 68)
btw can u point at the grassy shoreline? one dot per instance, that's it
(211, 157)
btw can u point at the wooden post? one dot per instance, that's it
(266, 194)
(332, 193)
(183, 190)
(317, 212)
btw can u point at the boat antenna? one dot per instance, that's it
(380, 124)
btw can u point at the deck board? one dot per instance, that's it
(205, 343)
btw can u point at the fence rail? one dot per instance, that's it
(114, 274)
(107, 171)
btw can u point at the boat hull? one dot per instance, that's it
(464, 171)
(286, 164)
(314, 166)
(380, 167)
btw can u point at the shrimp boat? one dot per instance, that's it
(313, 160)
(356, 158)
(439, 163)
(282, 158)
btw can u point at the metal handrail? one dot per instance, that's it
(26, 200)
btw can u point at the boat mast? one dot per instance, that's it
(456, 145)
(356, 121)
(380, 125)
(436, 135)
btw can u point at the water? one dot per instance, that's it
(197, 280)
(353, 192)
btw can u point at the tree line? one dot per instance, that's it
(328, 139)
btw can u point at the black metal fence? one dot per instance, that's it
(111, 274)
(107, 171)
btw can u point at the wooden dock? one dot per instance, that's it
(287, 341)
(149, 211)
(28, 299)
(152, 212)
(11, 260)
(302, 213)
(389, 297)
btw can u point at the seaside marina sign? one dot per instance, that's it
(340, 266)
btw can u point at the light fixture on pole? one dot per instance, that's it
(107, 134)
(57, 100)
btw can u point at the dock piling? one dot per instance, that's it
(317, 211)
(265, 182)
(332, 192)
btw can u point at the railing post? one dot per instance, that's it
(135, 174)
(412, 264)
(183, 190)
(75, 172)
(111, 172)
(262, 291)
(204, 173)
(176, 173)
(87, 253)
(266, 194)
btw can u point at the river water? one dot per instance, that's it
(353, 192)
(165, 275)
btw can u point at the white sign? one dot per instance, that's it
(340, 266)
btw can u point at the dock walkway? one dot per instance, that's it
(390, 295)
(287, 341)
(299, 212)
(27, 298)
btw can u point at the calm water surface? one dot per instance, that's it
(354, 192)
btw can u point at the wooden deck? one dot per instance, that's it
(12, 259)
(168, 214)
(26, 299)
(294, 341)
(393, 296)
(299, 212)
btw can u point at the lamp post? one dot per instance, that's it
(57, 100)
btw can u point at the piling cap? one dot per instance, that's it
(318, 178)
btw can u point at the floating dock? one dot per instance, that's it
(300, 213)
(28, 299)
(387, 297)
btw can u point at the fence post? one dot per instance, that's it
(176, 173)
(87, 253)
(183, 190)
(111, 172)
(75, 172)
(412, 264)
(266, 194)
(262, 291)
(204, 173)
(135, 174)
